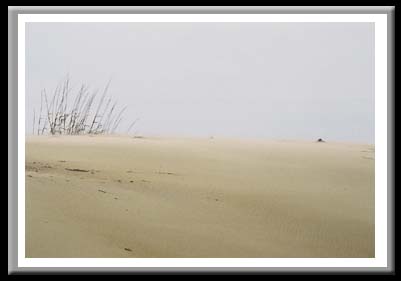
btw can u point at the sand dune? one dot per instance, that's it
(163, 197)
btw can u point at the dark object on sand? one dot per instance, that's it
(128, 249)
(76, 170)
(320, 140)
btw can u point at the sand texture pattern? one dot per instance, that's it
(111, 196)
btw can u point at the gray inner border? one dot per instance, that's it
(13, 12)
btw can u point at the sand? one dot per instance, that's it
(110, 196)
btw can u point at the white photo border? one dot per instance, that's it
(380, 259)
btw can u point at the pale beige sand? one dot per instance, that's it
(166, 197)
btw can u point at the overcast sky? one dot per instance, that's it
(256, 80)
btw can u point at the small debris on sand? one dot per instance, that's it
(128, 249)
(166, 173)
(76, 170)
(320, 140)
(101, 191)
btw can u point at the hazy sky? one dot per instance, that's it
(268, 80)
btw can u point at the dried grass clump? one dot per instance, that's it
(86, 114)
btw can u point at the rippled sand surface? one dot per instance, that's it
(111, 196)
